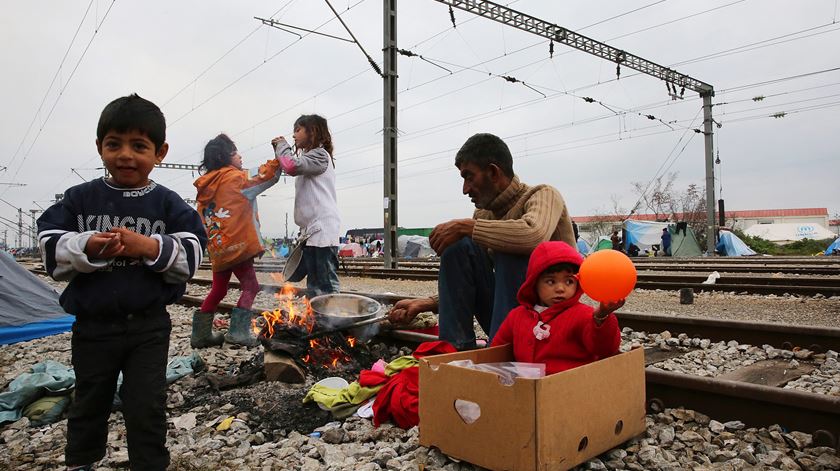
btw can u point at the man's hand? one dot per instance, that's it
(407, 309)
(447, 233)
(137, 245)
(104, 245)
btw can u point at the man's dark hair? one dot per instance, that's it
(217, 153)
(133, 113)
(561, 267)
(485, 149)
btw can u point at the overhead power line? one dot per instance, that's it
(578, 41)
(61, 92)
(52, 82)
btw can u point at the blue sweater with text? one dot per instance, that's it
(120, 286)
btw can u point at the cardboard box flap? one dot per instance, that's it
(607, 401)
(506, 421)
(482, 355)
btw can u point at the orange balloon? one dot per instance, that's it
(607, 275)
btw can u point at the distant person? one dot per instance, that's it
(633, 250)
(616, 241)
(127, 245)
(551, 325)
(484, 259)
(575, 229)
(666, 242)
(227, 203)
(316, 203)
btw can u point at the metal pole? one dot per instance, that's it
(33, 229)
(20, 228)
(710, 172)
(389, 131)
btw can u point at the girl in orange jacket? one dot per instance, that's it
(228, 207)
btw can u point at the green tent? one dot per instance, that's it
(603, 244)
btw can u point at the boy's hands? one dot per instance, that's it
(605, 309)
(136, 245)
(104, 245)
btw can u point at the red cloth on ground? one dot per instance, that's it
(369, 379)
(433, 348)
(574, 338)
(398, 399)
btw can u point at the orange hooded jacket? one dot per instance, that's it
(227, 206)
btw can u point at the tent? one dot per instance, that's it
(414, 246)
(603, 243)
(583, 247)
(351, 250)
(646, 234)
(29, 307)
(731, 245)
(834, 248)
(789, 232)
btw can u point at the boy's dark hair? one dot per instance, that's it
(561, 267)
(485, 149)
(133, 113)
(318, 131)
(217, 153)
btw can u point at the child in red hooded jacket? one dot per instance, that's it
(551, 325)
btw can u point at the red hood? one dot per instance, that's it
(545, 255)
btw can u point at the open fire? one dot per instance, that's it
(292, 328)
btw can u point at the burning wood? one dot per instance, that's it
(289, 336)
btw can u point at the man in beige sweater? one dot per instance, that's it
(484, 259)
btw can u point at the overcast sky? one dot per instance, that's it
(213, 68)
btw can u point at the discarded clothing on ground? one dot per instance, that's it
(42, 393)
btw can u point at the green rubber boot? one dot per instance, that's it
(202, 331)
(240, 331)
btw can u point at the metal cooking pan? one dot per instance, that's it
(294, 259)
(339, 309)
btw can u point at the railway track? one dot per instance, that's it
(757, 284)
(756, 398)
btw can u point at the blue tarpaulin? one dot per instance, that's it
(29, 307)
(583, 247)
(731, 245)
(834, 248)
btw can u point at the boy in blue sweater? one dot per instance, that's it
(127, 245)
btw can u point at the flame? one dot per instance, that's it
(292, 311)
(294, 317)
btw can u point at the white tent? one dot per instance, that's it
(351, 250)
(414, 246)
(789, 232)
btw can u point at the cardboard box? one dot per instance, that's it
(551, 423)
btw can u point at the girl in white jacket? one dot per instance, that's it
(316, 205)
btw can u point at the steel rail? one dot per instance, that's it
(754, 405)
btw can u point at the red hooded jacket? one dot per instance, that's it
(574, 339)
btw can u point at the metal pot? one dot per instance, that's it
(338, 310)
